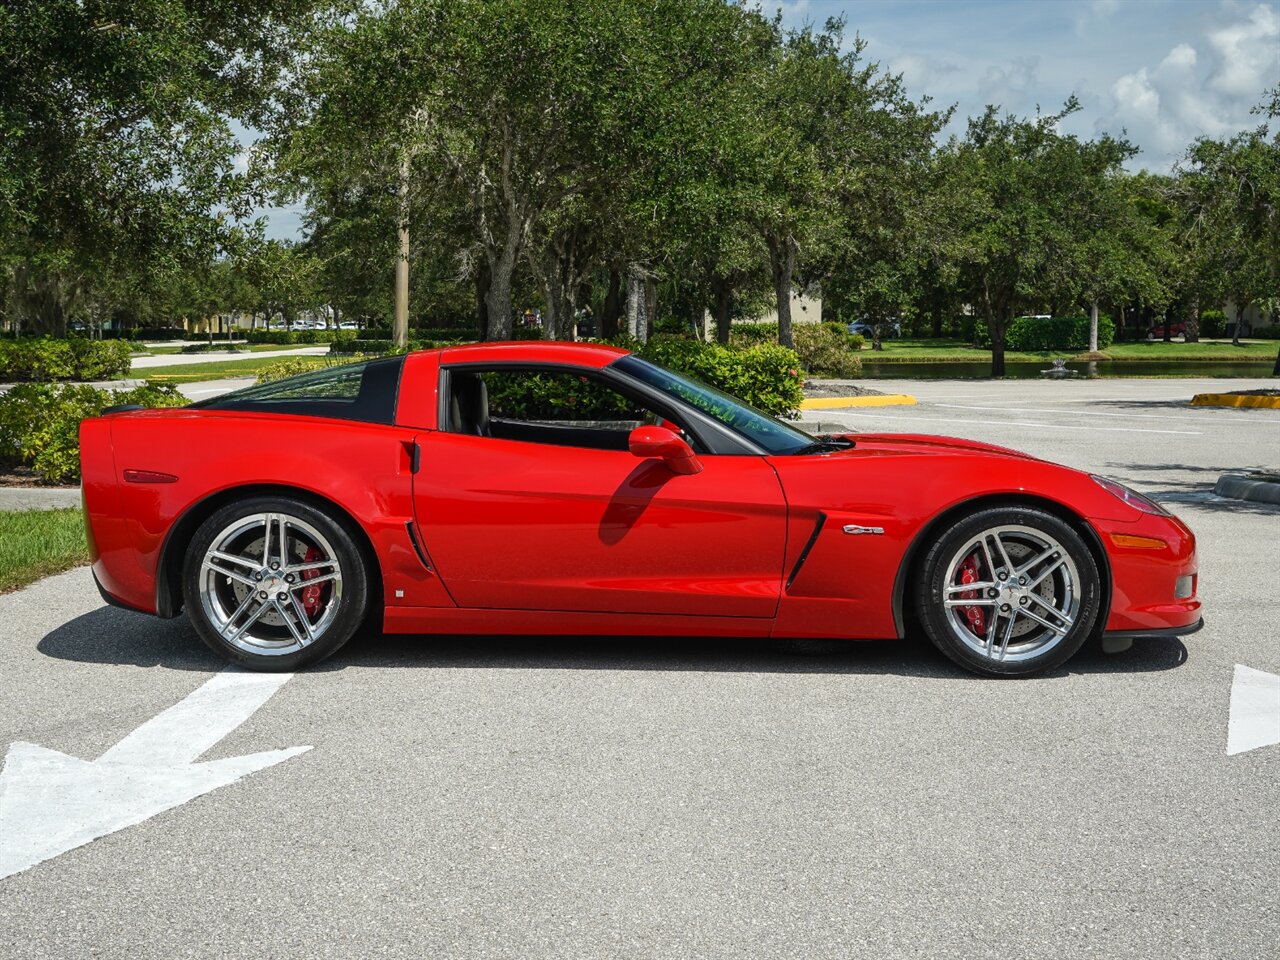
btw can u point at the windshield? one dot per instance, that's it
(757, 426)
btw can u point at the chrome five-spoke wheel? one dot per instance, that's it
(1010, 590)
(1012, 593)
(269, 583)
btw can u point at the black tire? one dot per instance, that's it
(970, 635)
(278, 640)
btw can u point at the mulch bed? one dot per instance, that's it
(838, 388)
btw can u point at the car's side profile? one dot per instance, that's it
(536, 488)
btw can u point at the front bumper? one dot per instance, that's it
(1147, 557)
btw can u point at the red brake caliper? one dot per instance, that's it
(311, 595)
(975, 615)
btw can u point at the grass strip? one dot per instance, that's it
(195, 372)
(37, 543)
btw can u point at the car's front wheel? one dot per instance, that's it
(1009, 591)
(273, 583)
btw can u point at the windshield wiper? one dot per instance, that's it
(824, 443)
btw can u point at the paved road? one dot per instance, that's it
(665, 797)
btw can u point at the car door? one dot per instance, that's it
(548, 524)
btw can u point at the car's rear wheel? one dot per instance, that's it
(273, 583)
(1009, 591)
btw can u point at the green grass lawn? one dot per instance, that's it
(217, 370)
(37, 543)
(943, 351)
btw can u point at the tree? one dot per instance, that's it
(118, 148)
(1230, 190)
(1027, 201)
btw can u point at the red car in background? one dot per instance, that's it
(1177, 328)
(555, 488)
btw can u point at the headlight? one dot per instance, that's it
(1132, 497)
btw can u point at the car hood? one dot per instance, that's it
(925, 445)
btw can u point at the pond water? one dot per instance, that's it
(1023, 370)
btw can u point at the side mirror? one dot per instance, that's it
(659, 442)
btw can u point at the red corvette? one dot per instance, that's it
(551, 488)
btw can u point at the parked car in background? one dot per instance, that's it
(1177, 328)
(890, 329)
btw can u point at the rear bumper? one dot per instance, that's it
(112, 600)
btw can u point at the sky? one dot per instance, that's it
(1162, 72)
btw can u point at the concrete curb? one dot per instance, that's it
(1254, 400)
(1239, 486)
(14, 499)
(839, 403)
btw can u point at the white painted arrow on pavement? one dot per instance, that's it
(51, 803)
(1254, 720)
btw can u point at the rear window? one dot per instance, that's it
(355, 391)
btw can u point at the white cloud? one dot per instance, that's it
(1248, 53)
(1008, 81)
(1199, 88)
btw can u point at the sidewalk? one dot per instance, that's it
(38, 498)
(176, 359)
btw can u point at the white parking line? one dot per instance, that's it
(1015, 423)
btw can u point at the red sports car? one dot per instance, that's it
(552, 488)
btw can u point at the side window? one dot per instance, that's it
(358, 391)
(544, 406)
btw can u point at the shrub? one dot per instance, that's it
(765, 375)
(745, 334)
(825, 352)
(304, 337)
(374, 346)
(44, 359)
(1213, 323)
(1056, 333)
(205, 348)
(1265, 333)
(40, 423)
(292, 366)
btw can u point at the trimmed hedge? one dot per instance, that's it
(287, 337)
(374, 346)
(219, 345)
(1213, 323)
(40, 423)
(44, 359)
(1056, 333)
(765, 375)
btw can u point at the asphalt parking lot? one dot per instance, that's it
(660, 797)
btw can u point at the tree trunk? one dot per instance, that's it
(637, 327)
(502, 265)
(1093, 327)
(650, 306)
(997, 353)
(482, 309)
(1192, 334)
(1241, 307)
(782, 262)
(611, 310)
(935, 328)
(400, 324)
(723, 302)
(1275, 371)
